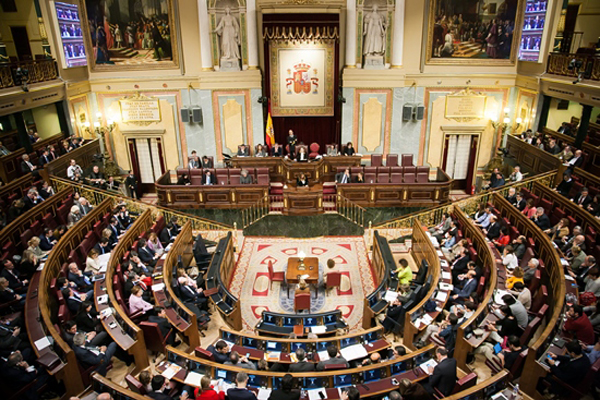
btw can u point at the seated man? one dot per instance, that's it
(343, 177)
(96, 178)
(10, 273)
(27, 166)
(277, 150)
(165, 327)
(8, 295)
(146, 254)
(239, 361)
(207, 162)
(443, 376)
(208, 178)
(394, 315)
(302, 365)
(583, 199)
(74, 170)
(240, 392)
(220, 351)
(571, 369)
(578, 324)
(334, 358)
(72, 299)
(111, 184)
(192, 295)
(243, 151)
(91, 338)
(76, 276)
(194, 161)
(460, 295)
(100, 357)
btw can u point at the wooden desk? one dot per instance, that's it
(293, 273)
(306, 200)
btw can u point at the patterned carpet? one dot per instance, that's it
(251, 282)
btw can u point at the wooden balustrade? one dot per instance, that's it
(533, 159)
(48, 304)
(593, 152)
(84, 156)
(558, 64)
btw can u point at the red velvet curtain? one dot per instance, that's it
(322, 130)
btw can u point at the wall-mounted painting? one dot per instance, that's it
(474, 32)
(130, 34)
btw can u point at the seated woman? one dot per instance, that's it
(302, 155)
(358, 178)
(92, 265)
(558, 231)
(348, 150)
(260, 151)
(529, 209)
(404, 273)
(34, 246)
(136, 303)
(245, 179)
(503, 240)
(517, 276)
(184, 180)
(154, 244)
(509, 259)
(301, 181)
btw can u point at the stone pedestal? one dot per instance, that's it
(374, 62)
(229, 65)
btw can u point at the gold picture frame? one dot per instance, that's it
(109, 58)
(472, 43)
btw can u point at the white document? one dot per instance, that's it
(40, 267)
(323, 355)
(318, 329)
(390, 296)
(426, 319)
(498, 296)
(564, 262)
(193, 379)
(313, 394)
(263, 394)
(354, 352)
(439, 253)
(569, 278)
(158, 287)
(163, 257)
(102, 299)
(441, 296)
(446, 275)
(171, 371)
(446, 286)
(42, 343)
(106, 312)
(427, 365)
(444, 263)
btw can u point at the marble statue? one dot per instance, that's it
(374, 32)
(229, 31)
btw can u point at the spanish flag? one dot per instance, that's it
(269, 133)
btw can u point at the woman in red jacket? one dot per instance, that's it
(206, 392)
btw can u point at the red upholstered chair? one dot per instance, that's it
(407, 160)
(422, 177)
(274, 276)
(383, 177)
(376, 160)
(546, 205)
(383, 170)
(196, 176)
(539, 298)
(370, 178)
(183, 171)
(530, 330)
(302, 301)
(410, 170)
(409, 177)
(332, 367)
(262, 179)
(25, 236)
(397, 170)
(333, 279)
(36, 228)
(391, 160)
(134, 385)
(234, 175)
(153, 337)
(262, 171)
(205, 354)
(49, 221)
(314, 150)
(423, 169)
(355, 170)
(222, 176)
(395, 178)
(370, 170)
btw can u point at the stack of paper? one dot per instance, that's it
(428, 366)
(318, 329)
(444, 263)
(42, 343)
(323, 355)
(272, 355)
(193, 379)
(426, 319)
(102, 299)
(390, 296)
(441, 296)
(171, 371)
(263, 394)
(354, 352)
(446, 275)
(446, 286)
(439, 253)
(317, 394)
(498, 296)
(158, 287)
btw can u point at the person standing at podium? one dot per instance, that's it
(301, 181)
(291, 141)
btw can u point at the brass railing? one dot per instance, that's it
(432, 216)
(350, 210)
(37, 71)
(258, 210)
(96, 196)
(558, 64)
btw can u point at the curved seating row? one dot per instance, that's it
(16, 189)
(60, 353)
(283, 324)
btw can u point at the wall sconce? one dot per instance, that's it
(518, 123)
(505, 121)
(99, 130)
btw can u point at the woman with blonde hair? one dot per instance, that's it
(155, 244)
(34, 246)
(529, 209)
(29, 263)
(91, 263)
(206, 391)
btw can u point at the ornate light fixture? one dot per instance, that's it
(301, 256)
(505, 121)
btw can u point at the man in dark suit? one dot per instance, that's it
(131, 185)
(192, 295)
(394, 315)
(208, 178)
(511, 197)
(47, 242)
(243, 151)
(45, 158)
(493, 230)
(576, 161)
(277, 150)
(287, 391)
(146, 254)
(241, 392)
(459, 265)
(160, 318)
(31, 199)
(27, 166)
(220, 351)
(98, 357)
(583, 199)
(102, 246)
(520, 202)
(302, 365)
(335, 358)
(159, 385)
(207, 162)
(91, 338)
(564, 187)
(460, 295)
(12, 276)
(541, 219)
(443, 376)
(20, 374)
(167, 235)
(72, 299)
(116, 230)
(343, 177)
(76, 276)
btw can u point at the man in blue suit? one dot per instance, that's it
(460, 295)
(99, 357)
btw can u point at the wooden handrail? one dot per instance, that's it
(298, 340)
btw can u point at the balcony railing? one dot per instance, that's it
(36, 71)
(558, 64)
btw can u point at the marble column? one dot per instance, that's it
(252, 38)
(350, 33)
(205, 47)
(398, 38)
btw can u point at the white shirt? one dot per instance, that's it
(72, 170)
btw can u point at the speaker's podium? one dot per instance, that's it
(305, 200)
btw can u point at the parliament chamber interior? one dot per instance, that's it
(299, 199)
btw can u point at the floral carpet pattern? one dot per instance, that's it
(250, 280)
